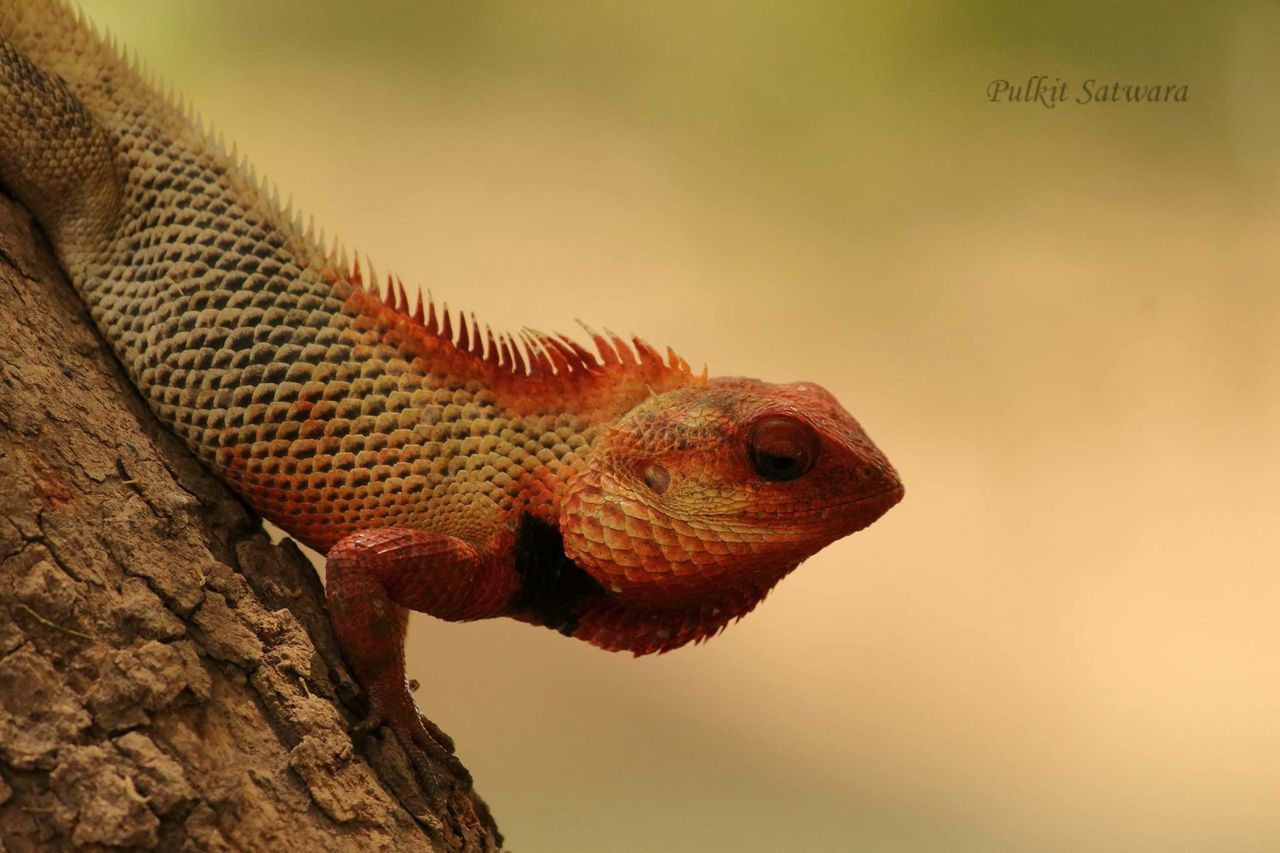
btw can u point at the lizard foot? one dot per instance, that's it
(429, 750)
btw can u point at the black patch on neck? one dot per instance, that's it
(552, 587)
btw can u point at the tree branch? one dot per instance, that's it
(168, 677)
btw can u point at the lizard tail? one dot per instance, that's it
(212, 294)
(54, 157)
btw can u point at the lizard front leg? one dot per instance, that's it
(371, 578)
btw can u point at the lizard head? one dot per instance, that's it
(719, 490)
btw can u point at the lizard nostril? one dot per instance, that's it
(870, 473)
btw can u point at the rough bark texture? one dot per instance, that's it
(168, 678)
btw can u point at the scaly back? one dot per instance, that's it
(328, 405)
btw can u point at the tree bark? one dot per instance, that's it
(168, 677)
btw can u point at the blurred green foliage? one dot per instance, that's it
(777, 79)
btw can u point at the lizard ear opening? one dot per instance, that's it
(656, 478)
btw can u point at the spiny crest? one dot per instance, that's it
(528, 352)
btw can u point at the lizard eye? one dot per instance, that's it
(781, 448)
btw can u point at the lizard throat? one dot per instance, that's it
(553, 589)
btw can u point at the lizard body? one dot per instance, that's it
(609, 493)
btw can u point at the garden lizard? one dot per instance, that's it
(606, 491)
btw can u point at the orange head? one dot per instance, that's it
(721, 489)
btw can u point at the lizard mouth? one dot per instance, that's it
(864, 510)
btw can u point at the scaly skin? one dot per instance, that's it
(613, 495)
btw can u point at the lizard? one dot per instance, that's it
(605, 490)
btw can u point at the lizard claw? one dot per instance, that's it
(437, 733)
(439, 737)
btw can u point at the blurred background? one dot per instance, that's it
(1061, 325)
